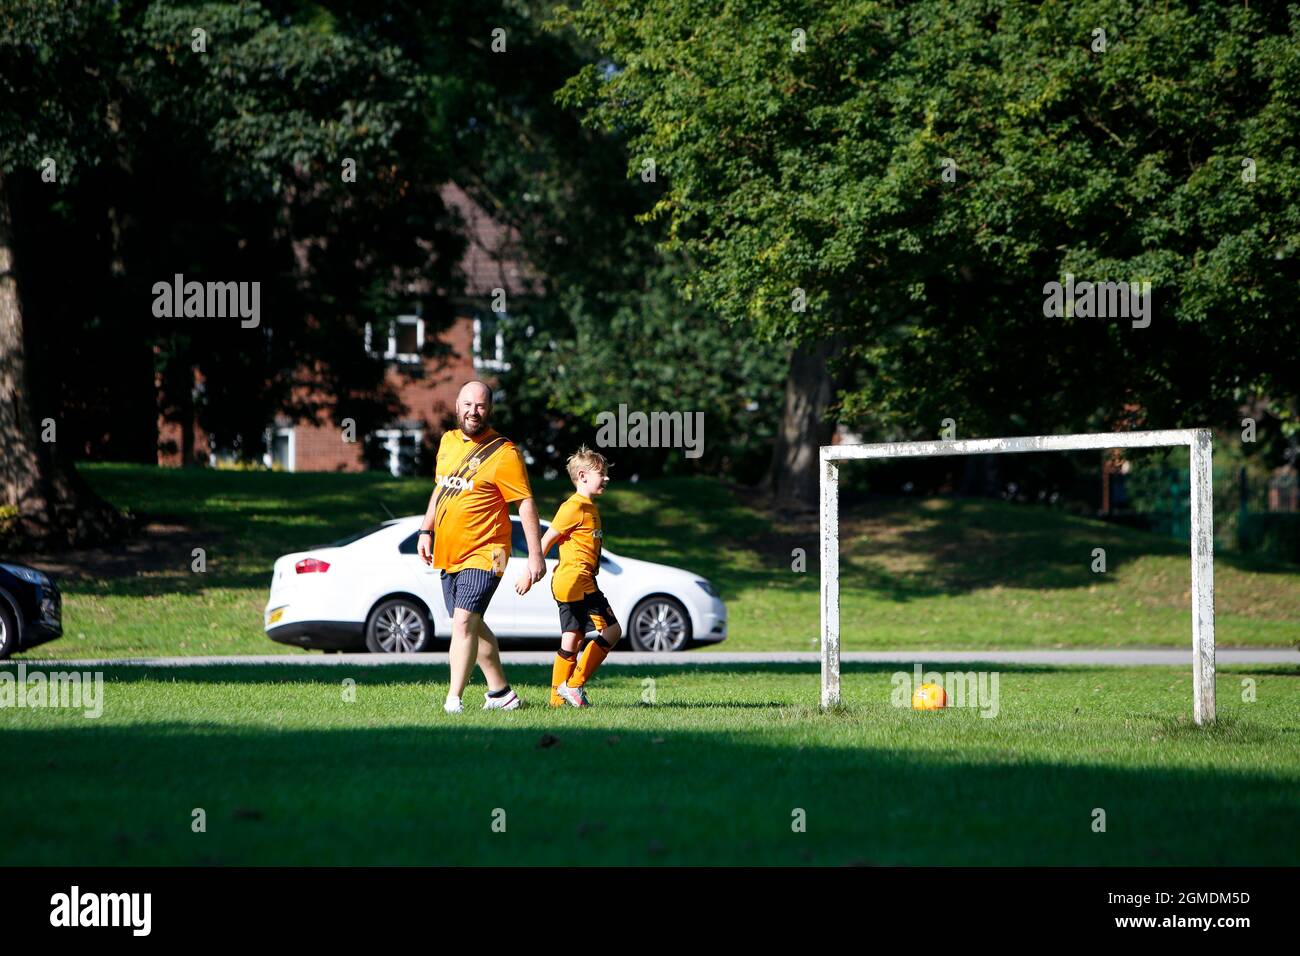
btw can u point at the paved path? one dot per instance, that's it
(1109, 658)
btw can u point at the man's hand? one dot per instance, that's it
(523, 584)
(424, 548)
(536, 567)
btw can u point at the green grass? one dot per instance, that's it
(288, 772)
(937, 573)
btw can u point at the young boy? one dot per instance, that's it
(573, 585)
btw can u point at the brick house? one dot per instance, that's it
(425, 387)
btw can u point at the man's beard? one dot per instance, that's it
(471, 430)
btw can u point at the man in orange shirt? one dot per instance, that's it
(466, 534)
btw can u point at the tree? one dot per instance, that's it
(38, 131)
(605, 326)
(914, 173)
(207, 141)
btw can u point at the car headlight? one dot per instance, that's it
(706, 587)
(30, 575)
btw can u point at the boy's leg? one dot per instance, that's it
(594, 654)
(565, 660)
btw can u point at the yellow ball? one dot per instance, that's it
(929, 697)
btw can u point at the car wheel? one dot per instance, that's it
(398, 626)
(8, 634)
(659, 624)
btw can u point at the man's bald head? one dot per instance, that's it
(474, 407)
(475, 390)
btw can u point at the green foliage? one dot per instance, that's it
(1158, 489)
(218, 164)
(642, 347)
(607, 325)
(1275, 534)
(226, 164)
(822, 170)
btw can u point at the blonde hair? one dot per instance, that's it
(584, 459)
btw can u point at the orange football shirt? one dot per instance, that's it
(577, 524)
(477, 479)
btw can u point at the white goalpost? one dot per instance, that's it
(1197, 439)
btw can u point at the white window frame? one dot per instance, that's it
(499, 363)
(1202, 544)
(268, 458)
(392, 440)
(390, 353)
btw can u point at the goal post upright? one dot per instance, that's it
(830, 575)
(1202, 578)
(1202, 532)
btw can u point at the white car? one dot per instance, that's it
(370, 591)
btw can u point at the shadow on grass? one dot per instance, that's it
(115, 795)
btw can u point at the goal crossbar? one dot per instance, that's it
(1202, 538)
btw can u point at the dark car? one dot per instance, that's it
(31, 608)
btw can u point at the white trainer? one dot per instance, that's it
(577, 696)
(509, 702)
(452, 706)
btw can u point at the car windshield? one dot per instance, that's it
(357, 536)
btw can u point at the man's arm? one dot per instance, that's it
(424, 544)
(533, 535)
(525, 580)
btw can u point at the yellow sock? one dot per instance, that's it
(560, 672)
(593, 655)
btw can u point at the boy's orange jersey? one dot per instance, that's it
(578, 525)
(476, 481)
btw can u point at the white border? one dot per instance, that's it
(1202, 545)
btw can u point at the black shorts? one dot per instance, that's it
(468, 588)
(591, 612)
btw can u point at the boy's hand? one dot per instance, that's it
(523, 584)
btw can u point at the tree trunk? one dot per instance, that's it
(187, 420)
(809, 388)
(55, 505)
(981, 477)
